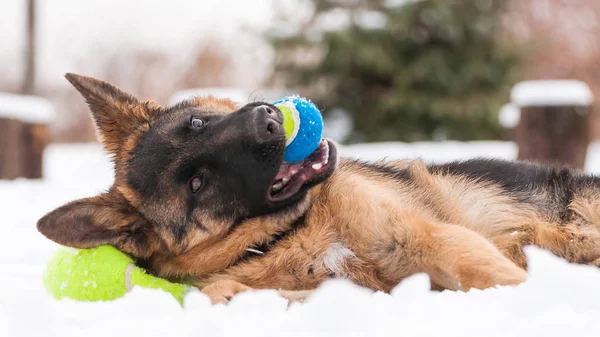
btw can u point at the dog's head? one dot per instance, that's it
(184, 174)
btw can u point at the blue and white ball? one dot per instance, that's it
(303, 126)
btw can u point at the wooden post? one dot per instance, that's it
(23, 135)
(554, 120)
(10, 148)
(35, 137)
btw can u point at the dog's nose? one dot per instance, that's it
(269, 122)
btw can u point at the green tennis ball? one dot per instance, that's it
(291, 122)
(100, 274)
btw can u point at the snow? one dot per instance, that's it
(339, 19)
(371, 19)
(552, 93)
(333, 20)
(430, 152)
(31, 109)
(559, 299)
(398, 3)
(509, 115)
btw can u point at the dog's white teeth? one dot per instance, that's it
(293, 172)
(285, 179)
(317, 166)
(326, 155)
(278, 186)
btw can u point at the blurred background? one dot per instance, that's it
(380, 70)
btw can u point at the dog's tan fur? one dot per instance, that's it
(361, 224)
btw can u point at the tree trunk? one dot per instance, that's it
(30, 50)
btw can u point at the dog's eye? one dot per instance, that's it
(196, 183)
(196, 122)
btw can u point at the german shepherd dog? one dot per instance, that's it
(201, 195)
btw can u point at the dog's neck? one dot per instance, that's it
(246, 240)
(264, 248)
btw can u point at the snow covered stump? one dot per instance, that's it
(553, 122)
(23, 135)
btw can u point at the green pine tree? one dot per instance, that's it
(434, 67)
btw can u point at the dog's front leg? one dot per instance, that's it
(458, 258)
(222, 291)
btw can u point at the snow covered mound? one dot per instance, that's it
(31, 109)
(551, 93)
(559, 299)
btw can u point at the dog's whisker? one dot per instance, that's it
(257, 98)
(256, 251)
(251, 95)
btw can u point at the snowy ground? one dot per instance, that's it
(559, 299)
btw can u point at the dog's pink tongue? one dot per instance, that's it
(288, 169)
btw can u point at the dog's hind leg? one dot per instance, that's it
(455, 257)
(466, 259)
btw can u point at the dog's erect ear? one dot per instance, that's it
(116, 113)
(105, 219)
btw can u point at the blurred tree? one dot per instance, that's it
(405, 70)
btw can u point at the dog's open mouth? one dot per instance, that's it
(292, 177)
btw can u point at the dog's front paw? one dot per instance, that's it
(294, 295)
(223, 291)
